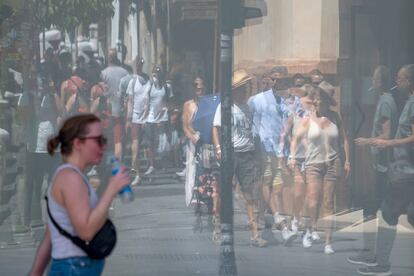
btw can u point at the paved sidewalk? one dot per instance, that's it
(157, 237)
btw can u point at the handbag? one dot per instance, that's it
(163, 144)
(99, 247)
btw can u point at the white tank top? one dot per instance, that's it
(323, 143)
(62, 247)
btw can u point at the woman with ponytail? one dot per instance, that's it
(73, 202)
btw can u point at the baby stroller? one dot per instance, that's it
(203, 193)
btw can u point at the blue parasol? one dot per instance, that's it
(203, 119)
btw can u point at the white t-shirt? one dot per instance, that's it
(158, 110)
(242, 135)
(140, 99)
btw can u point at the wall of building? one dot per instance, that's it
(301, 34)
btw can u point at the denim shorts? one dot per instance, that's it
(76, 266)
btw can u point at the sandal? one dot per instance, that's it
(258, 242)
(216, 237)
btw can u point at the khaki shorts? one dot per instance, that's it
(328, 171)
(276, 167)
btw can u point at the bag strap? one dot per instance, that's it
(149, 91)
(134, 82)
(60, 229)
(77, 87)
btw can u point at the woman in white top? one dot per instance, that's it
(73, 202)
(325, 140)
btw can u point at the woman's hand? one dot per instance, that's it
(218, 154)
(194, 138)
(120, 180)
(292, 164)
(347, 169)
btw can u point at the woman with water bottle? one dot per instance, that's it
(72, 202)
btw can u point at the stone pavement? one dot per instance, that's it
(159, 235)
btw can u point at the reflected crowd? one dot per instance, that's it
(291, 154)
(291, 146)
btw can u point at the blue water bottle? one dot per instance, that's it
(126, 193)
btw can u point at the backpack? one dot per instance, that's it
(80, 99)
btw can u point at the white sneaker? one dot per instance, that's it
(150, 170)
(288, 236)
(92, 172)
(307, 240)
(295, 225)
(278, 219)
(329, 250)
(136, 180)
(315, 236)
(181, 174)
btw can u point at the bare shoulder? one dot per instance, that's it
(189, 103)
(305, 122)
(68, 182)
(189, 106)
(64, 84)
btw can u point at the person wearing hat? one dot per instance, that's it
(137, 112)
(329, 88)
(317, 79)
(158, 99)
(243, 144)
(326, 138)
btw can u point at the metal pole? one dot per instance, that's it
(227, 254)
(168, 35)
(216, 52)
(155, 33)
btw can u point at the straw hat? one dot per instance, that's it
(240, 78)
(329, 90)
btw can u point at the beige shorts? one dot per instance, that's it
(276, 168)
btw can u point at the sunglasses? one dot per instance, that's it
(100, 140)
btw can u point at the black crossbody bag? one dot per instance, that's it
(99, 247)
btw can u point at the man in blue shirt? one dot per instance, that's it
(270, 113)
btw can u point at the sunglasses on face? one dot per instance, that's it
(100, 140)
